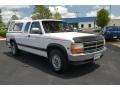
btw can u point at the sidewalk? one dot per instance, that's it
(2, 38)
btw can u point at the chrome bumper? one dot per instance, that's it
(84, 56)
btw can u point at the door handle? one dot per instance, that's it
(28, 35)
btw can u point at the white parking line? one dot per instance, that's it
(115, 43)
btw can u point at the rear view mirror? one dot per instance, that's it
(36, 31)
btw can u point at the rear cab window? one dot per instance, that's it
(11, 26)
(15, 26)
(18, 27)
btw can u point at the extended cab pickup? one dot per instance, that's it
(49, 38)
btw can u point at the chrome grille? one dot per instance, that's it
(93, 46)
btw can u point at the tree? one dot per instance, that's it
(41, 12)
(14, 17)
(102, 18)
(57, 15)
(2, 24)
(35, 16)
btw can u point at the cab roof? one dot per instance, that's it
(35, 20)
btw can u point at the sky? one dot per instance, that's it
(67, 11)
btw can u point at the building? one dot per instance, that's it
(114, 22)
(82, 22)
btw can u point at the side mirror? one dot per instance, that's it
(36, 31)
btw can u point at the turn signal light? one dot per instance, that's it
(77, 50)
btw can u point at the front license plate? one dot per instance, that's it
(97, 56)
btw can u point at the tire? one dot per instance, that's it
(58, 61)
(91, 63)
(14, 48)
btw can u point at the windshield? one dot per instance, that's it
(56, 26)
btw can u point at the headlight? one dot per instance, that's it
(77, 48)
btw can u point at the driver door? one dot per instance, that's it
(35, 41)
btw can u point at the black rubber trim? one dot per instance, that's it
(14, 32)
(37, 48)
(81, 62)
(58, 46)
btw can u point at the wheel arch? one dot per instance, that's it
(56, 46)
(12, 40)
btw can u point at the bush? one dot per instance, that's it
(3, 33)
(96, 30)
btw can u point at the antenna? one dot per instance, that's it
(0, 15)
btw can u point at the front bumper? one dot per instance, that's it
(85, 57)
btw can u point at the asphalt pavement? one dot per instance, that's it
(29, 69)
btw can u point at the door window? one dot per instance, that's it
(35, 25)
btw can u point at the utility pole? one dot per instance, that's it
(0, 15)
(110, 10)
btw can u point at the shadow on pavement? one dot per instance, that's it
(112, 40)
(42, 64)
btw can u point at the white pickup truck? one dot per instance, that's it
(49, 38)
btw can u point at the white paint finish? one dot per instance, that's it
(67, 35)
(33, 51)
(43, 40)
(66, 44)
(64, 39)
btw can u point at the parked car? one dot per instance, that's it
(47, 38)
(111, 32)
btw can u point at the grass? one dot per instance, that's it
(3, 33)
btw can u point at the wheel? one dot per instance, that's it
(58, 61)
(14, 48)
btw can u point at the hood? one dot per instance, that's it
(68, 35)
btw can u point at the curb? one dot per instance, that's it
(2, 39)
